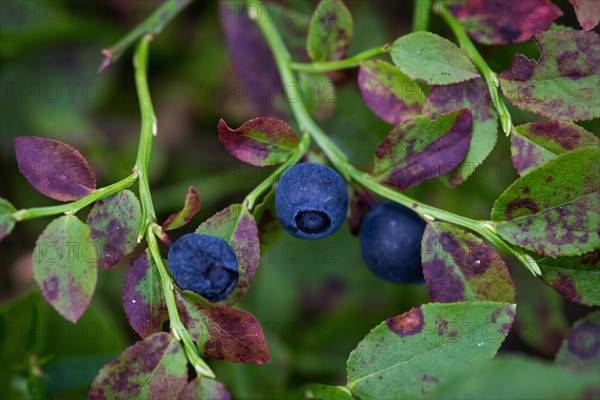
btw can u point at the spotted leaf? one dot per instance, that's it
(237, 226)
(588, 13)
(474, 95)
(330, 31)
(260, 141)
(409, 355)
(191, 206)
(143, 298)
(458, 266)
(54, 168)
(222, 332)
(115, 223)
(581, 348)
(390, 94)
(64, 266)
(432, 59)
(504, 21)
(7, 221)
(554, 210)
(563, 84)
(576, 278)
(154, 368)
(536, 143)
(422, 149)
(204, 388)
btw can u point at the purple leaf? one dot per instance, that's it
(588, 13)
(7, 221)
(54, 168)
(422, 149)
(190, 207)
(115, 223)
(563, 84)
(236, 226)
(390, 94)
(581, 349)
(458, 266)
(330, 31)
(536, 143)
(64, 266)
(143, 299)
(222, 332)
(154, 368)
(505, 21)
(204, 388)
(260, 141)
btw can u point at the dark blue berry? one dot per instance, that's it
(390, 242)
(205, 265)
(311, 201)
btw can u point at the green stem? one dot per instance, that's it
(468, 47)
(339, 160)
(265, 185)
(350, 62)
(154, 24)
(73, 207)
(421, 15)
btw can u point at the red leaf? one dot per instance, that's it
(190, 207)
(588, 13)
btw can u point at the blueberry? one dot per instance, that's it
(390, 242)
(311, 201)
(205, 265)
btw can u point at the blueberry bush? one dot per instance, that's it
(363, 116)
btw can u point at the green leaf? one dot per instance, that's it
(115, 223)
(190, 208)
(7, 222)
(554, 210)
(581, 349)
(475, 96)
(155, 367)
(576, 278)
(223, 332)
(458, 266)
(421, 149)
(519, 378)
(237, 227)
(330, 31)
(432, 59)
(536, 143)
(204, 388)
(318, 391)
(64, 266)
(408, 355)
(563, 84)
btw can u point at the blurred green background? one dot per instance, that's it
(315, 300)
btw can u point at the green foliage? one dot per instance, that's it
(330, 31)
(7, 221)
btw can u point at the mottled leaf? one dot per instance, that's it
(236, 225)
(260, 141)
(407, 356)
(505, 21)
(7, 222)
(581, 348)
(554, 210)
(421, 149)
(54, 168)
(474, 95)
(115, 223)
(222, 332)
(458, 266)
(191, 206)
(143, 298)
(563, 84)
(319, 94)
(588, 13)
(204, 389)
(576, 278)
(324, 392)
(330, 31)
(64, 266)
(390, 94)
(154, 368)
(432, 59)
(536, 143)
(518, 377)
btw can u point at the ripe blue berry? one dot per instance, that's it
(311, 201)
(204, 264)
(390, 242)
